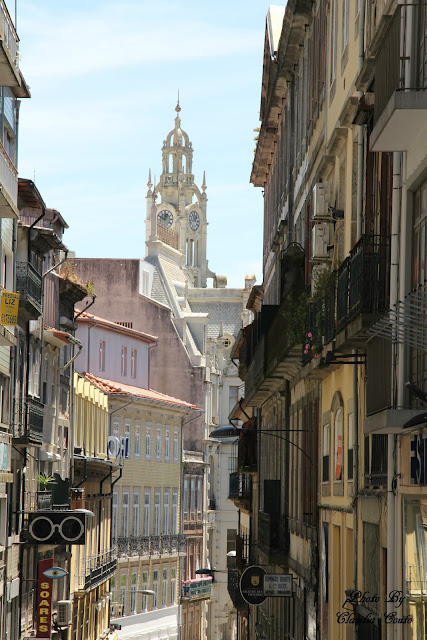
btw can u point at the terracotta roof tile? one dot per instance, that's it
(119, 389)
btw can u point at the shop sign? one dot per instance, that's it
(252, 585)
(9, 308)
(278, 584)
(44, 600)
(418, 459)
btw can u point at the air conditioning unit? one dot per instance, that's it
(56, 527)
(321, 201)
(321, 239)
(64, 613)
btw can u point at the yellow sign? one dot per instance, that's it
(9, 308)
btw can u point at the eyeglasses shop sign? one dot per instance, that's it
(279, 584)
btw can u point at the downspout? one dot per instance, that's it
(397, 246)
(359, 229)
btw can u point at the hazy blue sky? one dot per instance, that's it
(104, 77)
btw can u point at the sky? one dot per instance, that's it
(104, 77)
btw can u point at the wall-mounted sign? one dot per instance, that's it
(9, 305)
(278, 584)
(44, 600)
(418, 459)
(252, 585)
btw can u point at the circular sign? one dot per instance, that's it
(252, 585)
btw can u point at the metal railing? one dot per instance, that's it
(29, 285)
(198, 588)
(363, 280)
(172, 544)
(98, 568)
(396, 66)
(240, 487)
(167, 235)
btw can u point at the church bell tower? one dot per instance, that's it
(176, 221)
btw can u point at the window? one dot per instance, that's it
(175, 446)
(135, 520)
(114, 517)
(166, 497)
(126, 442)
(155, 588)
(338, 447)
(350, 447)
(102, 355)
(173, 586)
(124, 361)
(167, 444)
(133, 363)
(193, 498)
(333, 67)
(137, 449)
(344, 25)
(125, 514)
(158, 444)
(185, 498)
(133, 587)
(174, 528)
(148, 443)
(123, 585)
(157, 513)
(199, 499)
(165, 588)
(4, 399)
(144, 587)
(34, 379)
(147, 496)
(325, 461)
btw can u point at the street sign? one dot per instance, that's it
(252, 585)
(278, 584)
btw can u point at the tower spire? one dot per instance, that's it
(178, 107)
(149, 183)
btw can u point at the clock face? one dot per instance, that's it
(194, 220)
(165, 217)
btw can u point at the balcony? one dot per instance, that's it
(272, 535)
(170, 544)
(169, 236)
(98, 569)
(32, 432)
(247, 451)
(29, 285)
(9, 54)
(363, 283)
(233, 585)
(240, 490)
(197, 589)
(401, 81)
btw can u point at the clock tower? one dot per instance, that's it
(176, 222)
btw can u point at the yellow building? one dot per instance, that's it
(146, 519)
(93, 564)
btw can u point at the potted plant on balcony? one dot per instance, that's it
(44, 495)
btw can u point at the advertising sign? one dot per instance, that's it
(9, 308)
(252, 585)
(44, 600)
(278, 584)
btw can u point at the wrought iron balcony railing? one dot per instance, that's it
(240, 487)
(173, 544)
(98, 569)
(29, 286)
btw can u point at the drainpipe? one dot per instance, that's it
(355, 472)
(397, 246)
(360, 132)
